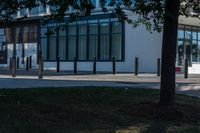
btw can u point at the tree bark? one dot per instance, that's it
(168, 73)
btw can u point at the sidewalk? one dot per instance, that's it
(190, 86)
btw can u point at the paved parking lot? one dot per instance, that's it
(190, 86)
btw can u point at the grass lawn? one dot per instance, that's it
(95, 110)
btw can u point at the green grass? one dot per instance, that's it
(98, 110)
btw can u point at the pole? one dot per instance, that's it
(136, 66)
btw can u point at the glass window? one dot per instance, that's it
(194, 35)
(104, 28)
(62, 48)
(52, 48)
(82, 48)
(42, 9)
(43, 32)
(194, 50)
(62, 31)
(188, 34)
(93, 29)
(1, 32)
(23, 12)
(34, 11)
(104, 47)
(180, 34)
(82, 29)
(93, 47)
(116, 46)
(116, 27)
(71, 48)
(72, 29)
(44, 47)
(52, 32)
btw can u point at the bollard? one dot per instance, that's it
(75, 65)
(114, 65)
(95, 65)
(158, 67)
(40, 62)
(14, 65)
(10, 63)
(17, 62)
(30, 62)
(186, 69)
(58, 64)
(27, 63)
(136, 66)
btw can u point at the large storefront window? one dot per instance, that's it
(84, 40)
(188, 45)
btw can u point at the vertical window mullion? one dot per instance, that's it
(123, 41)
(110, 40)
(87, 42)
(67, 39)
(99, 47)
(47, 44)
(77, 38)
(57, 43)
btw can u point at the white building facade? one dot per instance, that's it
(99, 36)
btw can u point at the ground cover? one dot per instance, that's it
(95, 109)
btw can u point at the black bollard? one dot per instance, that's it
(114, 65)
(95, 65)
(75, 65)
(186, 69)
(40, 62)
(58, 64)
(17, 62)
(27, 63)
(14, 62)
(158, 67)
(136, 66)
(30, 62)
(10, 63)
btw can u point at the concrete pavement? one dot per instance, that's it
(190, 86)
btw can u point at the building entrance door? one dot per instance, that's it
(22, 52)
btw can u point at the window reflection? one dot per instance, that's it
(188, 44)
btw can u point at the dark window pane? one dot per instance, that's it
(1, 32)
(82, 48)
(71, 48)
(72, 30)
(93, 46)
(44, 47)
(43, 32)
(194, 51)
(62, 48)
(52, 48)
(116, 27)
(34, 11)
(104, 28)
(117, 46)
(52, 32)
(93, 29)
(82, 29)
(104, 47)
(62, 31)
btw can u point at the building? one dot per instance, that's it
(99, 35)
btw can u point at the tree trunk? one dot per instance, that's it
(168, 74)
